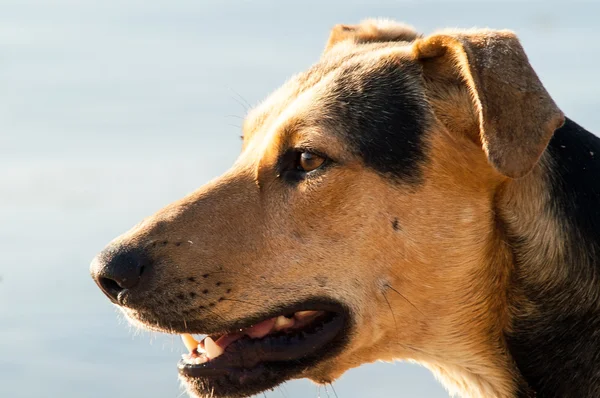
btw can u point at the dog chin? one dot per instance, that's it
(250, 383)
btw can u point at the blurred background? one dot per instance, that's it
(111, 109)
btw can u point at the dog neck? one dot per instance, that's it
(552, 222)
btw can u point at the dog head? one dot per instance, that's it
(356, 225)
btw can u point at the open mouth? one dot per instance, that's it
(251, 359)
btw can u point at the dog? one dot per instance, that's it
(408, 197)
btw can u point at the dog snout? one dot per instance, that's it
(117, 269)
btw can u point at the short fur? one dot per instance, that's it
(455, 219)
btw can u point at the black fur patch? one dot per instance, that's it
(384, 115)
(558, 351)
(576, 182)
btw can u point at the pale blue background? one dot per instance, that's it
(111, 109)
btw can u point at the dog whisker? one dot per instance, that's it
(393, 315)
(241, 103)
(333, 389)
(209, 310)
(216, 314)
(283, 393)
(404, 297)
(183, 392)
(327, 391)
(245, 104)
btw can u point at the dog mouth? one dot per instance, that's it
(251, 359)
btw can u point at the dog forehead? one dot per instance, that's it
(370, 96)
(347, 60)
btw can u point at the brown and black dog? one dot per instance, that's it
(407, 197)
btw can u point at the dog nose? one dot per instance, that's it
(116, 270)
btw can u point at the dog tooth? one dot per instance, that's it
(212, 349)
(189, 341)
(304, 314)
(283, 323)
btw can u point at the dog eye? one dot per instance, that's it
(309, 161)
(296, 164)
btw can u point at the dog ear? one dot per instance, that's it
(370, 31)
(515, 114)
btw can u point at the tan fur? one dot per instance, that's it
(436, 290)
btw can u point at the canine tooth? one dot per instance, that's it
(212, 349)
(304, 314)
(283, 323)
(189, 341)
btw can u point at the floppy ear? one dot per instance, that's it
(515, 113)
(370, 31)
